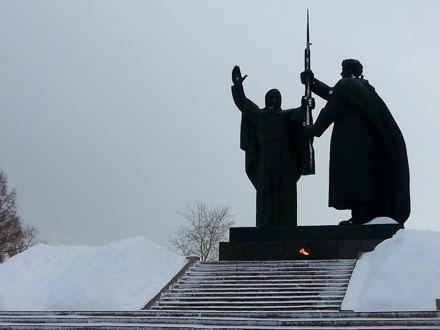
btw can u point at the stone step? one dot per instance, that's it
(278, 262)
(220, 324)
(179, 326)
(209, 314)
(239, 267)
(253, 305)
(218, 320)
(267, 277)
(272, 270)
(299, 307)
(243, 289)
(244, 276)
(256, 267)
(287, 268)
(265, 286)
(191, 293)
(265, 283)
(233, 298)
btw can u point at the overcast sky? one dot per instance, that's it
(116, 114)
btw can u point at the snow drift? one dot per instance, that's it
(121, 276)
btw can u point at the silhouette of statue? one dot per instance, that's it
(273, 142)
(369, 172)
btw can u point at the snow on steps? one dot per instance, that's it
(296, 285)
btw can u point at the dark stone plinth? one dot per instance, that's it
(239, 234)
(321, 242)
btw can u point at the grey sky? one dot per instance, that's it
(115, 114)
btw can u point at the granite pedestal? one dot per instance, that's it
(304, 242)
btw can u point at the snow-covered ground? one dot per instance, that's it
(402, 273)
(120, 276)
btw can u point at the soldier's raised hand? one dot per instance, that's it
(236, 75)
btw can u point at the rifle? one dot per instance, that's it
(309, 153)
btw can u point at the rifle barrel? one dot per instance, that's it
(309, 153)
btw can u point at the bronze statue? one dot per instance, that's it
(369, 172)
(273, 142)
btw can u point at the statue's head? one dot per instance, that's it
(273, 99)
(351, 68)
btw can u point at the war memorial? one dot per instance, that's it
(368, 175)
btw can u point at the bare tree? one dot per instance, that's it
(28, 238)
(10, 223)
(14, 236)
(204, 229)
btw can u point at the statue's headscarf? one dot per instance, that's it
(269, 97)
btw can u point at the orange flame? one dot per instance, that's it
(304, 252)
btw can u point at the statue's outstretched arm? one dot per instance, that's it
(321, 89)
(317, 86)
(236, 75)
(246, 106)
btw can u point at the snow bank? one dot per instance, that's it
(401, 274)
(121, 276)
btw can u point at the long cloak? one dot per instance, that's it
(368, 157)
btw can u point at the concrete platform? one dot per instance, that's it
(304, 242)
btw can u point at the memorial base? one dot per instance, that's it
(306, 242)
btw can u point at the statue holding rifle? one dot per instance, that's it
(369, 172)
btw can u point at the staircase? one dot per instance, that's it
(297, 285)
(278, 295)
